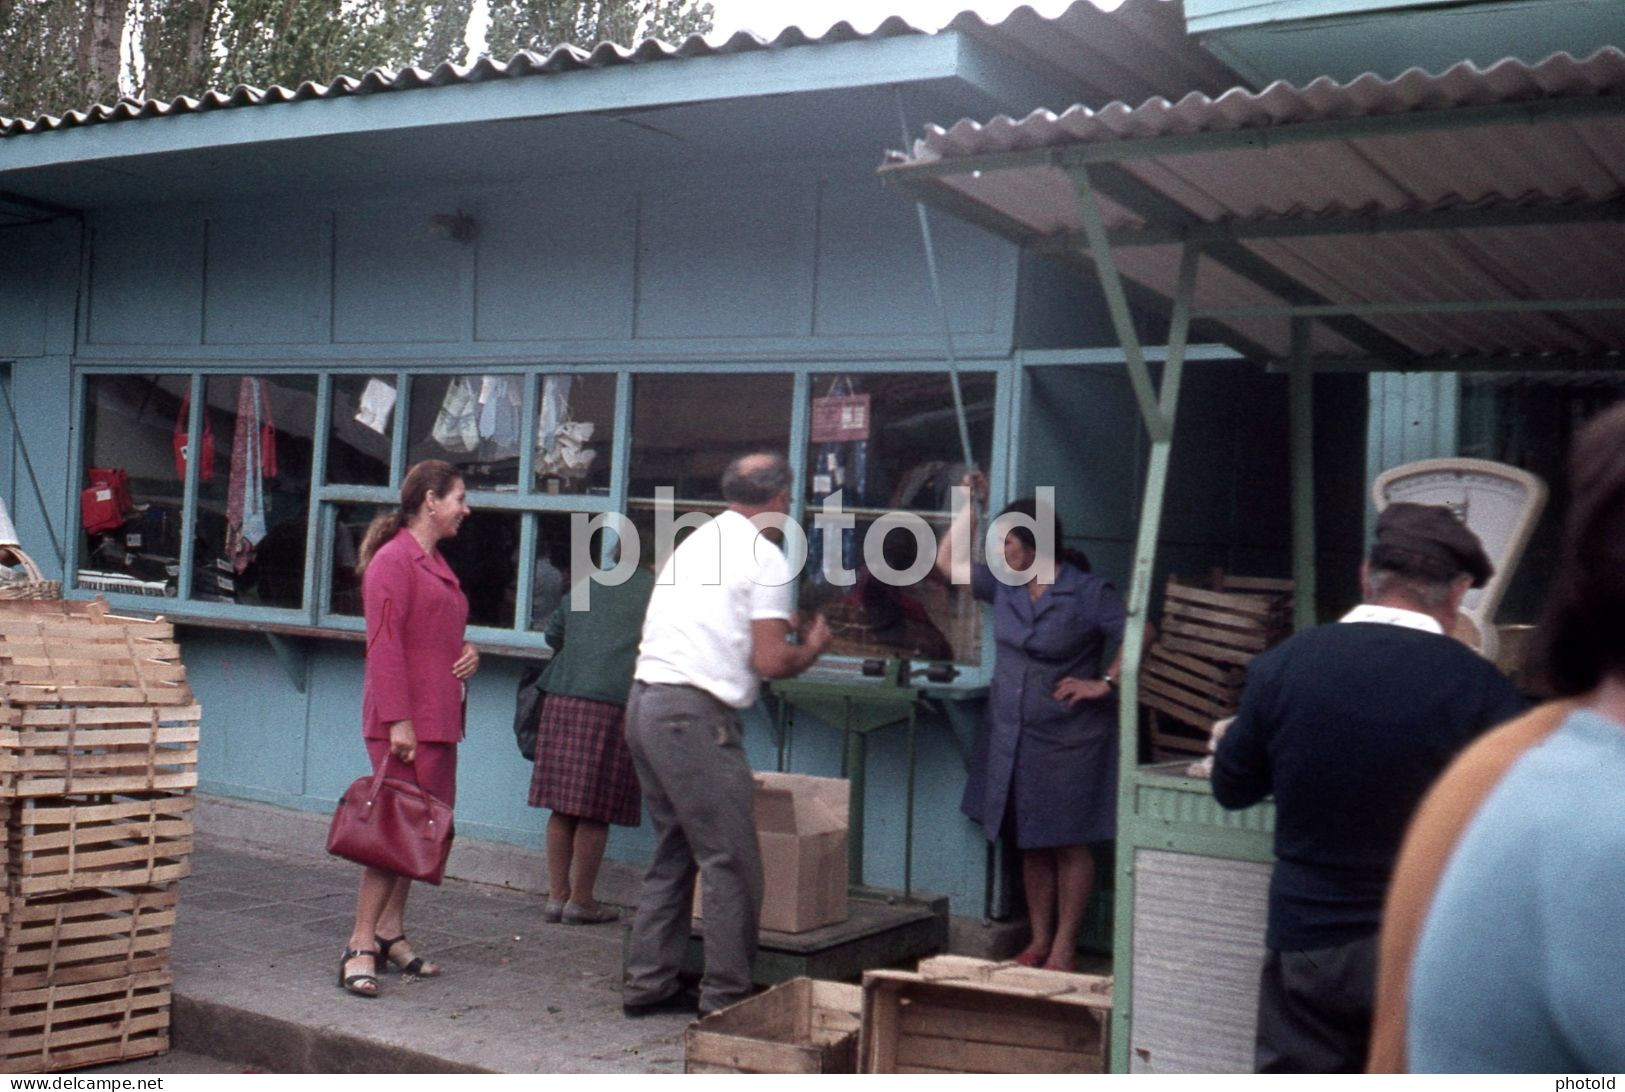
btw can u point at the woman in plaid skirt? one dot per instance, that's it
(583, 769)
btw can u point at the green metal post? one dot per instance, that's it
(1094, 230)
(857, 760)
(1301, 405)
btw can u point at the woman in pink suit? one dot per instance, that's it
(412, 696)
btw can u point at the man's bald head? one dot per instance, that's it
(754, 480)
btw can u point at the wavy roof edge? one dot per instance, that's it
(1560, 75)
(567, 58)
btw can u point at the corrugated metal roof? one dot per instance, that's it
(1139, 49)
(1414, 146)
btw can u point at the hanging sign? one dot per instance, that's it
(840, 417)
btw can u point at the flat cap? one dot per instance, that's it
(1428, 540)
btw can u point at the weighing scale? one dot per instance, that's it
(1498, 503)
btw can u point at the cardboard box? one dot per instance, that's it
(801, 826)
(800, 1026)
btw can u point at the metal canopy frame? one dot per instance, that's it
(1166, 222)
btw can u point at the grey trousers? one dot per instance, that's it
(690, 761)
(1314, 1009)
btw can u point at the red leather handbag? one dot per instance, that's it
(392, 824)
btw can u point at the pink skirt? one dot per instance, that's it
(434, 768)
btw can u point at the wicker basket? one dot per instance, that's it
(33, 585)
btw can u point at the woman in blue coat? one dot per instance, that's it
(1045, 763)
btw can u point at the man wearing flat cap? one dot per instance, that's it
(1347, 725)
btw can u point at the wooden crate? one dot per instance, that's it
(801, 1026)
(87, 936)
(79, 750)
(65, 1027)
(962, 1015)
(90, 659)
(69, 844)
(1192, 674)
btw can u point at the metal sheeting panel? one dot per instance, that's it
(1139, 49)
(1479, 169)
(1511, 80)
(1198, 947)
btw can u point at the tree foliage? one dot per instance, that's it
(57, 55)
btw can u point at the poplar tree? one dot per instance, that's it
(59, 55)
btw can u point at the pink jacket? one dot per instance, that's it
(416, 612)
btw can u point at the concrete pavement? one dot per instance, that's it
(256, 952)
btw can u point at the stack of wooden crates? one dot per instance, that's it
(98, 757)
(1192, 674)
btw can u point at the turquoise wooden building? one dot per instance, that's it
(588, 275)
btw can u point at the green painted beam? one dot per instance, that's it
(1413, 307)
(1094, 226)
(1139, 598)
(1301, 410)
(1352, 223)
(1158, 208)
(1547, 364)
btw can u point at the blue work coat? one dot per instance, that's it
(1049, 767)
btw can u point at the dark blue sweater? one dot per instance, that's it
(1347, 725)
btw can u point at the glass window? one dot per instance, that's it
(358, 444)
(485, 557)
(890, 443)
(135, 436)
(687, 428)
(350, 525)
(473, 422)
(575, 431)
(254, 505)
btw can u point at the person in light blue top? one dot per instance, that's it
(1520, 952)
(1045, 761)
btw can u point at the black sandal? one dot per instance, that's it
(362, 984)
(415, 966)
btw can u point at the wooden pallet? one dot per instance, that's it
(962, 1015)
(87, 936)
(59, 845)
(801, 1026)
(65, 1027)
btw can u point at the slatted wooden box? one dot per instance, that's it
(801, 1026)
(87, 936)
(65, 1027)
(962, 1015)
(70, 844)
(1192, 674)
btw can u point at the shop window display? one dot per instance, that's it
(253, 507)
(361, 434)
(134, 459)
(890, 443)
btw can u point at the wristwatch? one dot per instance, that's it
(1109, 681)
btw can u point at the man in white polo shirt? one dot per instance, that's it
(718, 623)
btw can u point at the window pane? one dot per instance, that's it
(130, 504)
(575, 431)
(349, 528)
(485, 557)
(687, 428)
(473, 422)
(254, 503)
(359, 440)
(890, 442)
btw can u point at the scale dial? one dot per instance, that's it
(1498, 503)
